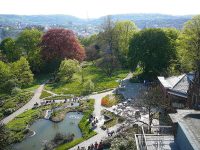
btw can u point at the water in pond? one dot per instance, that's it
(46, 130)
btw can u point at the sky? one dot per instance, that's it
(98, 8)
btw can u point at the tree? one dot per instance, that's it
(108, 63)
(88, 87)
(21, 72)
(124, 31)
(4, 74)
(189, 45)
(152, 99)
(87, 41)
(107, 41)
(151, 50)
(29, 42)
(107, 38)
(4, 137)
(58, 44)
(67, 69)
(9, 49)
(92, 53)
(175, 66)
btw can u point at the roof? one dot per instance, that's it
(189, 121)
(177, 84)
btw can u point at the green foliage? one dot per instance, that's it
(28, 42)
(91, 72)
(136, 74)
(16, 91)
(124, 30)
(70, 144)
(88, 87)
(4, 74)
(86, 41)
(58, 97)
(189, 45)
(44, 94)
(14, 102)
(4, 137)
(67, 69)
(152, 50)
(21, 72)
(9, 49)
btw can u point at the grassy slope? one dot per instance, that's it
(101, 81)
(13, 102)
(16, 101)
(44, 94)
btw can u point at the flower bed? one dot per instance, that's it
(110, 100)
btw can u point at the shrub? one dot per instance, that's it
(16, 90)
(88, 87)
(110, 100)
(104, 101)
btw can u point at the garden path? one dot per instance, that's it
(101, 134)
(27, 106)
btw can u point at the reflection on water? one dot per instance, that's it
(46, 130)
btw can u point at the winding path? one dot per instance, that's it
(101, 134)
(27, 106)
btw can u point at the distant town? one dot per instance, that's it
(12, 25)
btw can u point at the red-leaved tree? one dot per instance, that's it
(58, 44)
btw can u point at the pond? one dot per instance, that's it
(46, 131)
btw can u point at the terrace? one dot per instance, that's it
(161, 139)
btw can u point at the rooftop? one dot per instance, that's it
(177, 84)
(189, 121)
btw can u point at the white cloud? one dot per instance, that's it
(96, 8)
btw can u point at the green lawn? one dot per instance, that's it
(101, 81)
(58, 97)
(44, 94)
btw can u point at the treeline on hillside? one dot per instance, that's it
(148, 52)
(34, 52)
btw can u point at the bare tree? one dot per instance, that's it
(152, 99)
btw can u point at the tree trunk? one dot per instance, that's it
(150, 120)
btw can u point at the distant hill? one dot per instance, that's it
(39, 19)
(141, 20)
(150, 20)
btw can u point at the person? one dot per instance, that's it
(108, 132)
(89, 148)
(92, 147)
(100, 147)
(96, 145)
(78, 148)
